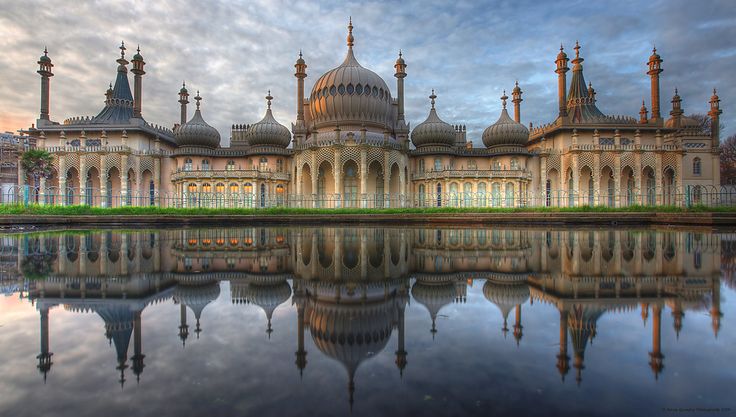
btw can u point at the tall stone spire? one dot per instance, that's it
(183, 100)
(44, 70)
(516, 94)
(714, 113)
(138, 72)
(561, 71)
(655, 68)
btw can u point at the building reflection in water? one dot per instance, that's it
(350, 286)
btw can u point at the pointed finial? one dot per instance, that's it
(138, 49)
(268, 99)
(45, 51)
(183, 84)
(197, 98)
(350, 33)
(504, 97)
(561, 47)
(654, 48)
(400, 55)
(432, 97)
(300, 53)
(122, 49)
(577, 49)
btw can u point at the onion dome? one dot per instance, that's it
(45, 56)
(268, 132)
(138, 56)
(434, 296)
(506, 131)
(197, 297)
(196, 132)
(433, 131)
(505, 296)
(351, 94)
(268, 296)
(183, 88)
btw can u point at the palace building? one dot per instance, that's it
(351, 146)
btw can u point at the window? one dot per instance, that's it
(496, 164)
(279, 165)
(437, 164)
(263, 164)
(220, 188)
(359, 89)
(263, 195)
(205, 165)
(188, 164)
(514, 163)
(233, 188)
(472, 165)
(351, 89)
(248, 188)
(697, 168)
(439, 196)
(206, 188)
(350, 185)
(421, 165)
(341, 90)
(230, 165)
(421, 195)
(482, 194)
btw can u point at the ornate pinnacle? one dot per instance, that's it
(268, 99)
(198, 99)
(351, 40)
(432, 97)
(504, 97)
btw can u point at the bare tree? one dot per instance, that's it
(728, 160)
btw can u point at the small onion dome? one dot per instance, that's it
(433, 131)
(506, 131)
(685, 123)
(197, 297)
(183, 89)
(138, 56)
(45, 56)
(197, 132)
(562, 54)
(268, 131)
(505, 295)
(655, 56)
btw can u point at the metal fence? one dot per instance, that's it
(687, 197)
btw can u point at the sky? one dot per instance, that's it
(468, 51)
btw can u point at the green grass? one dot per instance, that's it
(150, 211)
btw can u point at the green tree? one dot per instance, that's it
(37, 164)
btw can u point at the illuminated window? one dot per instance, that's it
(206, 188)
(192, 188)
(248, 188)
(233, 188)
(220, 188)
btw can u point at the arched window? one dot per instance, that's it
(421, 195)
(151, 193)
(192, 191)
(496, 164)
(481, 195)
(421, 165)
(514, 163)
(263, 195)
(697, 169)
(439, 195)
(280, 191)
(205, 165)
(697, 194)
(472, 165)
(509, 194)
(453, 194)
(230, 165)
(548, 193)
(220, 188)
(350, 185)
(188, 164)
(468, 194)
(233, 188)
(437, 164)
(496, 194)
(279, 165)
(263, 164)
(206, 188)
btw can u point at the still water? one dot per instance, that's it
(370, 321)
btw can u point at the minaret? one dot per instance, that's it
(138, 72)
(714, 113)
(44, 70)
(401, 350)
(655, 68)
(516, 94)
(715, 307)
(183, 327)
(677, 315)
(677, 111)
(643, 119)
(138, 355)
(517, 325)
(655, 355)
(300, 74)
(108, 95)
(561, 81)
(183, 100)
(400, 74)
(44, 358)
(591, 91)
(562, 358)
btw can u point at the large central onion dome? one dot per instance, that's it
(351, 95)
(433, 131)
(506, 131)
(268, 132)
(197, 132)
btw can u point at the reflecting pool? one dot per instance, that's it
(372, 321)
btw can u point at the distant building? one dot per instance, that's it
(351, 146)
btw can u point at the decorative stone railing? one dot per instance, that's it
(469, 173)
(224, 173)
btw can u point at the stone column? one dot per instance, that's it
(597, 178)
(617, 180)
(103, 188)
(157, 179)
(124, 180)
(82, 180)
(402, 188)
(658, 177)
(337, 174)
(386, 181)
(678, 180)
(576, 179)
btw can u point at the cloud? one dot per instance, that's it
(469, 52)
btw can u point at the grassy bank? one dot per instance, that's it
(150, 211)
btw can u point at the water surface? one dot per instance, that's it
(374, 321)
